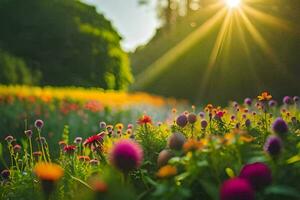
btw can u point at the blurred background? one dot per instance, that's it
(200, 50)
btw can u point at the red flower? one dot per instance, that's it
(69, 149)
(145, 119)
(94, 141)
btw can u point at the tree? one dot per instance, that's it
(67, 41)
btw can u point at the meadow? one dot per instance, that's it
(74, 143)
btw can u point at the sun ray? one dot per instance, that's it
(246, 48)
(259, 38)
(216, 49)
(270, 19)
(169, 57)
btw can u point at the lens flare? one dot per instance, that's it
(233, 3)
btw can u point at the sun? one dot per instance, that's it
(233, 3)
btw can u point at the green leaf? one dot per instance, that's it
(282, 190)
(230, 172)
(293, 159)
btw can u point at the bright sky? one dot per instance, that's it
(135, 23)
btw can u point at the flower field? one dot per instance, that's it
(73, 143)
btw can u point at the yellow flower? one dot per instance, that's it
(119, 126)
(48, 171)
(265, 96)
(167, 171)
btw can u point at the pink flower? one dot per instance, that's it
(236, 189)
(126, 155)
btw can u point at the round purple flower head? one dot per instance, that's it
(102, 125)
(204, 124)
(28, 133)
(258, 174)
(163, 157)
(78, 140)
(192, 118)
(5, 174)
(182, 120)
(296, 99)
(202, 114)
(176, 141)
(287, 100)
(126, 155)
(273, 145)
(236, 189)
(248, 123)
(248, 101)
(39, 123)
(280, 126)
(272, 103)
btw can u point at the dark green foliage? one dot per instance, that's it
(14, 70)
(237, 72)
(67, 41)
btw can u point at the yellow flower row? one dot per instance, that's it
(107, 98)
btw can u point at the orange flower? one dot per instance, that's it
(48, 171)
(192, 145)
(167, 171)
(265, 96)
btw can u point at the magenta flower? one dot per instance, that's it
(280, 126)
(182, 120)
(236, 189)
(248, 101)
(126, 155)
(258, 174)
(273, 145)
(287, 100)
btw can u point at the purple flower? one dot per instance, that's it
(9, 138)
(163, 157)
(248, 101)
(272, 103)
(192, 118)
(287, 100)
(28, 133)
(102, 125)
(247, 123)
(126, 155)
(78, 140)
(236, 189)
(258, 174)
(39, 123)
(204, 124)
(296, 99)
(5, 174)
(176, 141)
(202, 114)
(273, 145)
(280, 126)
(182, 120)
(130, 126)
